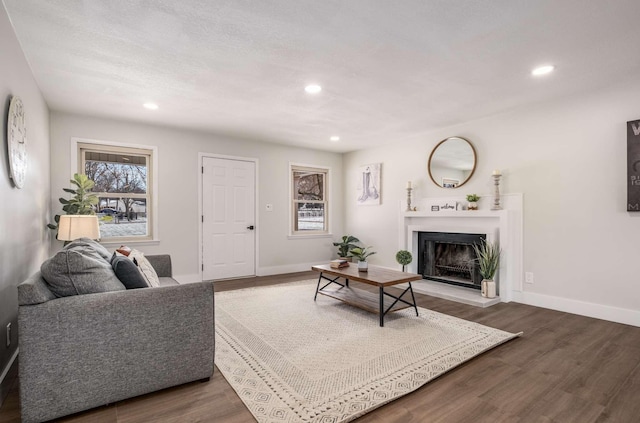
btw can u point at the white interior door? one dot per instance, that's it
(228, 218)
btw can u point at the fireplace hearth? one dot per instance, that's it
(449, 258)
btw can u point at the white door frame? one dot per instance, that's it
(201, 157)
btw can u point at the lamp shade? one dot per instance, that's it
(74, 226)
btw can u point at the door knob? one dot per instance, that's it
(250, 227)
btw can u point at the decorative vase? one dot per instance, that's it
(491, 289)
(363, 266)
(472, 205)
(488, 288)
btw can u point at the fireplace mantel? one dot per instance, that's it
(504, 226)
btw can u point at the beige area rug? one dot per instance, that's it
(291, 359)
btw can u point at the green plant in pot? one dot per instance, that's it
(83, 201)
(347, 243)
(404, 257)
(362, 254)
(488, 257)
(473, 201)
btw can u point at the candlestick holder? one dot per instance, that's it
(409, 199)
(496, 193)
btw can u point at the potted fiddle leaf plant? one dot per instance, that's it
(345, 245)
(362, 253)
(488, 258)
(404, 257)
(83, 201)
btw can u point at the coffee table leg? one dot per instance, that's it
(413, 298)
(381, 289)
(318, 287)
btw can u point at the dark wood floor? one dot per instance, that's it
(566, 368)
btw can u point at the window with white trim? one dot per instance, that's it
(123, 179)
(309, 202)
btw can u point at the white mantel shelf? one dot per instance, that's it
(457, 213)
(503, 226)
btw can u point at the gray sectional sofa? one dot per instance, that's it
(82, 351)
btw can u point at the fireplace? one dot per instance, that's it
(450, 258)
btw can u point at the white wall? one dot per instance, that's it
(178, 188)
(569, 160)
(24, 239)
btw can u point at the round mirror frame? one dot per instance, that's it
(475, 161)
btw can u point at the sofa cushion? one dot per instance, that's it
(145, 267)
(79, 269)
(128, 273)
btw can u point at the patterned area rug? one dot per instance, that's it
(291, 359)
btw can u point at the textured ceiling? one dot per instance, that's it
(390, 70)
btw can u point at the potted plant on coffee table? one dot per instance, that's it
(345, 245)
(488, 257)
(362, 254)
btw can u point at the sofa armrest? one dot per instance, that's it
(161, 264)
(84, 351)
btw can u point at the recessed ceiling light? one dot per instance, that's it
(542, 70)
(335, 138)
(150, 106)
(313, 89)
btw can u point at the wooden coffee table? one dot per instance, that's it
(381, 303)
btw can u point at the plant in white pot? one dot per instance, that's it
(345, 245)
(473, 201)
(488, 257)
(361, 254)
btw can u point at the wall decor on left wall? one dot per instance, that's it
(17, 142)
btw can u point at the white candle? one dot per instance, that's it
(409, 185)
(496, 172)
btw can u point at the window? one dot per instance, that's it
(310, 204)
(123, 183)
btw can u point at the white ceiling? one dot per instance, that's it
(390, 70)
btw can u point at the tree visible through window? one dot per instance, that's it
(122, 181)
(310, 204)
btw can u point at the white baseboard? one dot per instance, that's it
(598, 311)
(193, 278)
(289, 268)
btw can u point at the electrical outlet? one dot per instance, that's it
(528, 277)
(8, 334)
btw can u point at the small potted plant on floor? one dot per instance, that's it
(361, 254)
(488, 257)
(473, 201)
(403, 257)
(347, 243)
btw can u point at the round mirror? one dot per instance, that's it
(452, 162)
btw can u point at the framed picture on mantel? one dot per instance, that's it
(633, 166)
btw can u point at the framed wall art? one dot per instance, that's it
(368, 188)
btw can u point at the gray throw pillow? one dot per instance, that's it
(78, 270)
(90, 243)
(128, 273)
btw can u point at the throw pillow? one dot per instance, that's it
(124, 250)
(128, 273)
(78, 270)
(145, 267)
(89, 243)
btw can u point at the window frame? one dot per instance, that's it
(77, 166)
(293, 167)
